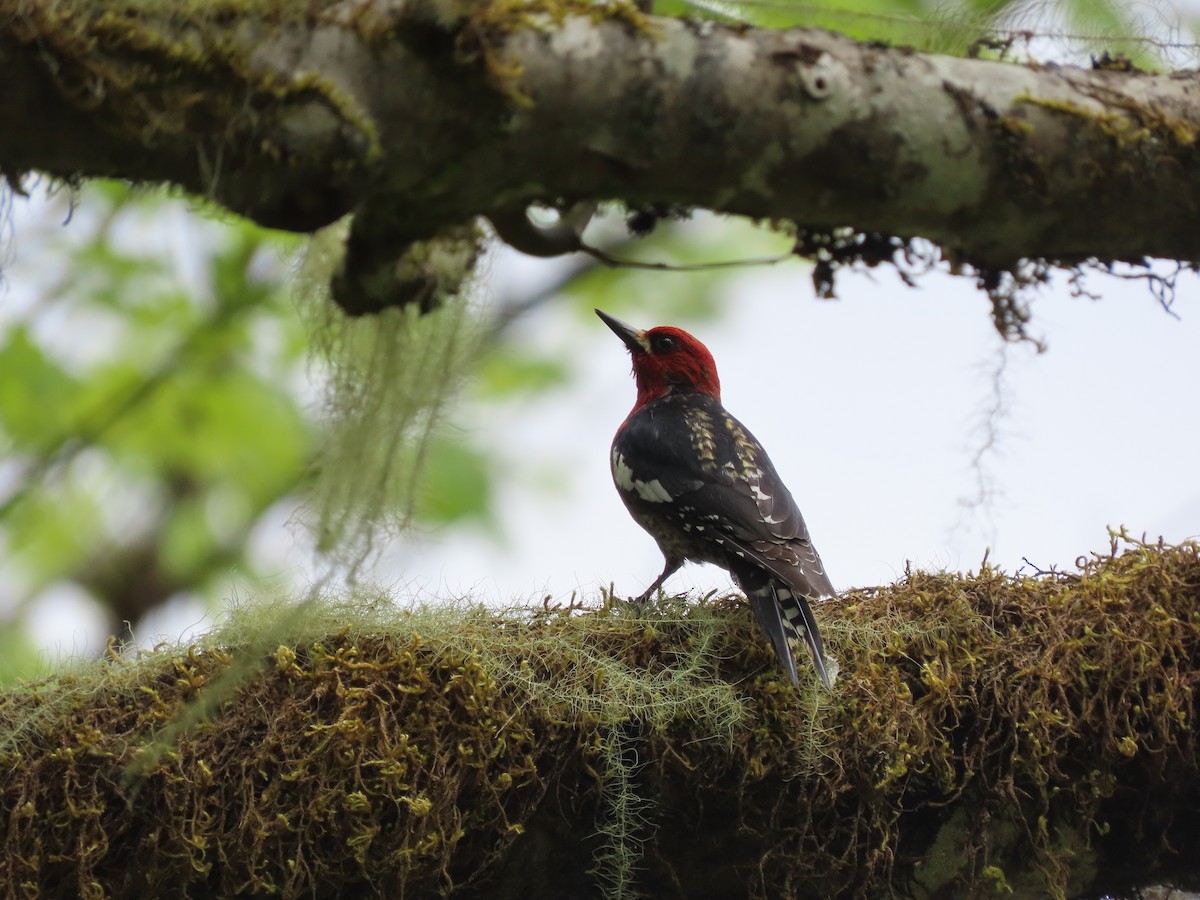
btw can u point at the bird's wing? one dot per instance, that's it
(754, 513)
(722, 478)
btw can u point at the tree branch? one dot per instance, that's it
(426, 117)
(986, 734)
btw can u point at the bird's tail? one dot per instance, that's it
(787, 619)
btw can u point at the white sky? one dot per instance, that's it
(872, 408)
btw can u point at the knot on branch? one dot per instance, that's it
(381, 270)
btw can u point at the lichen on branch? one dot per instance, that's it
(422, 116)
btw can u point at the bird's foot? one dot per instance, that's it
(639, 604)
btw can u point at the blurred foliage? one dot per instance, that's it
(158, 414)
(151, 397)
(1148, 32)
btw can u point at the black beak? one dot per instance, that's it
(633, 338)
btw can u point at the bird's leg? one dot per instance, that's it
(669, 569)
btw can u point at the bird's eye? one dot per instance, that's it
(664, 344)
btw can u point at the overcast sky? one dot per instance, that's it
(873, 408)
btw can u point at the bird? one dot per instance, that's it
(702, 485)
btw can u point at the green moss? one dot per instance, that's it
(978, 742)
(1134, 122)
(154, 71)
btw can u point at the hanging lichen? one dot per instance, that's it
(387, 380)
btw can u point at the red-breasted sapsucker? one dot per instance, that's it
(697, 480)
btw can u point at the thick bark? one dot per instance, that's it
(425, 117)
(985, 735)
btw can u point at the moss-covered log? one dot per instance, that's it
(987, 733)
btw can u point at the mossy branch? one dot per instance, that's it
(422, 115)
(1034, 734)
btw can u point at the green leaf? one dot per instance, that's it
(508, 371)
(53, 531)
(35, 393)
(19, 657)
(455, 484)
(187, 541)
(219, 424)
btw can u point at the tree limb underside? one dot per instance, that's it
(422, 116)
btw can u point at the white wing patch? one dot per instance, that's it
(651, 491)
(752, 478)
(765, 501)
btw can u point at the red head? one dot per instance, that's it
(666, 360)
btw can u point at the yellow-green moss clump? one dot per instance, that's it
(987, 735)
(157, 70)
